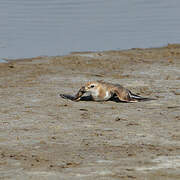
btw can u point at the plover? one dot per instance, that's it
(103, 91)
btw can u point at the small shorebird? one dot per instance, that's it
(103, 91)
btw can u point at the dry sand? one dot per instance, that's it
(43, 136)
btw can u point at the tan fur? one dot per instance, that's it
(102, 92)
(101, 89)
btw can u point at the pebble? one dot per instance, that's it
(120, 119)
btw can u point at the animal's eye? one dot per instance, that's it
(91, 86)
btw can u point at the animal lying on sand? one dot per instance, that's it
(103, 91)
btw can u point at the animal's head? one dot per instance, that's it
(91, 86)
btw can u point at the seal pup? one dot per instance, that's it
(103, 91)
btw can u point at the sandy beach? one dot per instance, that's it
(43, 136)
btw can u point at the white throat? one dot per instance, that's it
(95, 93)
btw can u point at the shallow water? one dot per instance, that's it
(57, 27)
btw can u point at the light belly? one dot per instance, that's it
(107, 96)
(97, 97)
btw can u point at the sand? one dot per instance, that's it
(43, 136)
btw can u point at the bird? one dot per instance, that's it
(104, 91)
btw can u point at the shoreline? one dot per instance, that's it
(169, 46)
(45, 136)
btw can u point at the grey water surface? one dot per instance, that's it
(31, 28)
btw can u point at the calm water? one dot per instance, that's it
(56, 27)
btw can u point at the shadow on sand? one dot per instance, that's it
(89, 98)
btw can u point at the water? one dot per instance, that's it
(57, 27)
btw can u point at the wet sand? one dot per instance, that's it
(43, 136)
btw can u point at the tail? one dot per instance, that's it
(135, 98)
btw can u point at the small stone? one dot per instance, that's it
(117, 119)
(120, 119)
(82, 109)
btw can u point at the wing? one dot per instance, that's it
(126, 95)
(79, 94)
(77, 97)
(67, 96)
(122, 93)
